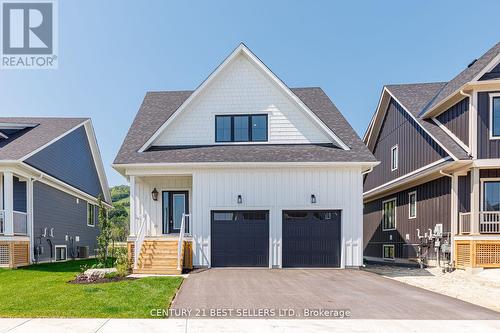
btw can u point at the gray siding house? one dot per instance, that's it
(435, 197)
(51, 175)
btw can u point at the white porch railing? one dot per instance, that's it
(489, 222)
(141, 234)
(181, 240)
(20, 223)
(2, 221)
(464, 223)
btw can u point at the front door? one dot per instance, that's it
(174, 204)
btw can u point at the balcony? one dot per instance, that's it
(20, 221)
(489, 223)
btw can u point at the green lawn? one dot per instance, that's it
(42, 291)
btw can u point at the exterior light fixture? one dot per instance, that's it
(240, 199)
(313, 199)
(154, 194)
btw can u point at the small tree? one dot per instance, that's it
(104, 236)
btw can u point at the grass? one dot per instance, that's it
(43, 291)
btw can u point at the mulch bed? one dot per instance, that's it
(84, 279)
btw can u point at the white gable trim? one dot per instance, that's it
(89, 130)
(370, 135)
(243, 49)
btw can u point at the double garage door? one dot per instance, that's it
(241, 238)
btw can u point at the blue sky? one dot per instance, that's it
(112, 52)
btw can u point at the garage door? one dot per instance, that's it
(311, 238)
(240, 238)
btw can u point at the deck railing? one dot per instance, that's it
(489, 222)
(141, 234)
(464, 223)
(2, 221)
(184, 226)
(20, 223)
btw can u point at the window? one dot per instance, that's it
(60, 252)
(389, 215)
(394, 158)
(388, 252)
(241, 128)
(412, 205)
(495, 117)
(90, 215)
(491, 196)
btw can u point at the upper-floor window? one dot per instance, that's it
(495, 117)
(394, 158)
(241, 128)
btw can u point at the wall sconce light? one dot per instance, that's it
(240, 199)
(313, 199)
(154, 194)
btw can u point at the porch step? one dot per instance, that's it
(158, 256)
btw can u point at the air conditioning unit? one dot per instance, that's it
(83, 251)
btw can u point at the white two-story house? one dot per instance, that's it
(243, 171)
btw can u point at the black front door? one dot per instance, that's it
(174, 204)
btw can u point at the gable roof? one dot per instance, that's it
(471, 73)
(158, 107)
(36, 133)
(412, 97)
(40, 131)
(242, 49)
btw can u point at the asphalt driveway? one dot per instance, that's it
(313, 293)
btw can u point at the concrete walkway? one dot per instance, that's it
(243, 325)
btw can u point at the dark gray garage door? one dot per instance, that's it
(240, 238)
(311, 238)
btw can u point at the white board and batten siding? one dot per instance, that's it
(273, 189)
(242, 88)
(149, 210)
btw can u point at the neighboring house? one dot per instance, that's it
(269, 176)
(438, 144)
(50, 177)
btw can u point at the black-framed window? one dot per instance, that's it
(241, 128)
(495, 117)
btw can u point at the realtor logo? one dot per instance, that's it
(29, 34)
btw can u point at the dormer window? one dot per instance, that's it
(241, 128)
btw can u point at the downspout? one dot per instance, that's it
(471, 123)
(32, 235)
(438, 254)
(367, 171)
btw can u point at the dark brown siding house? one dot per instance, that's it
(435, 196)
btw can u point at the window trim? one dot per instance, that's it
(395, 213)
(393, 252)
(65, 252)
(482, 196)
(409, 205)
(251, 140)
(395, 148)
(490, 111)
(93, 215)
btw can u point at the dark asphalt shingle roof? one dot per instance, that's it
(43, 131)
(414, 97)
(465, 76)
(157, 107)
